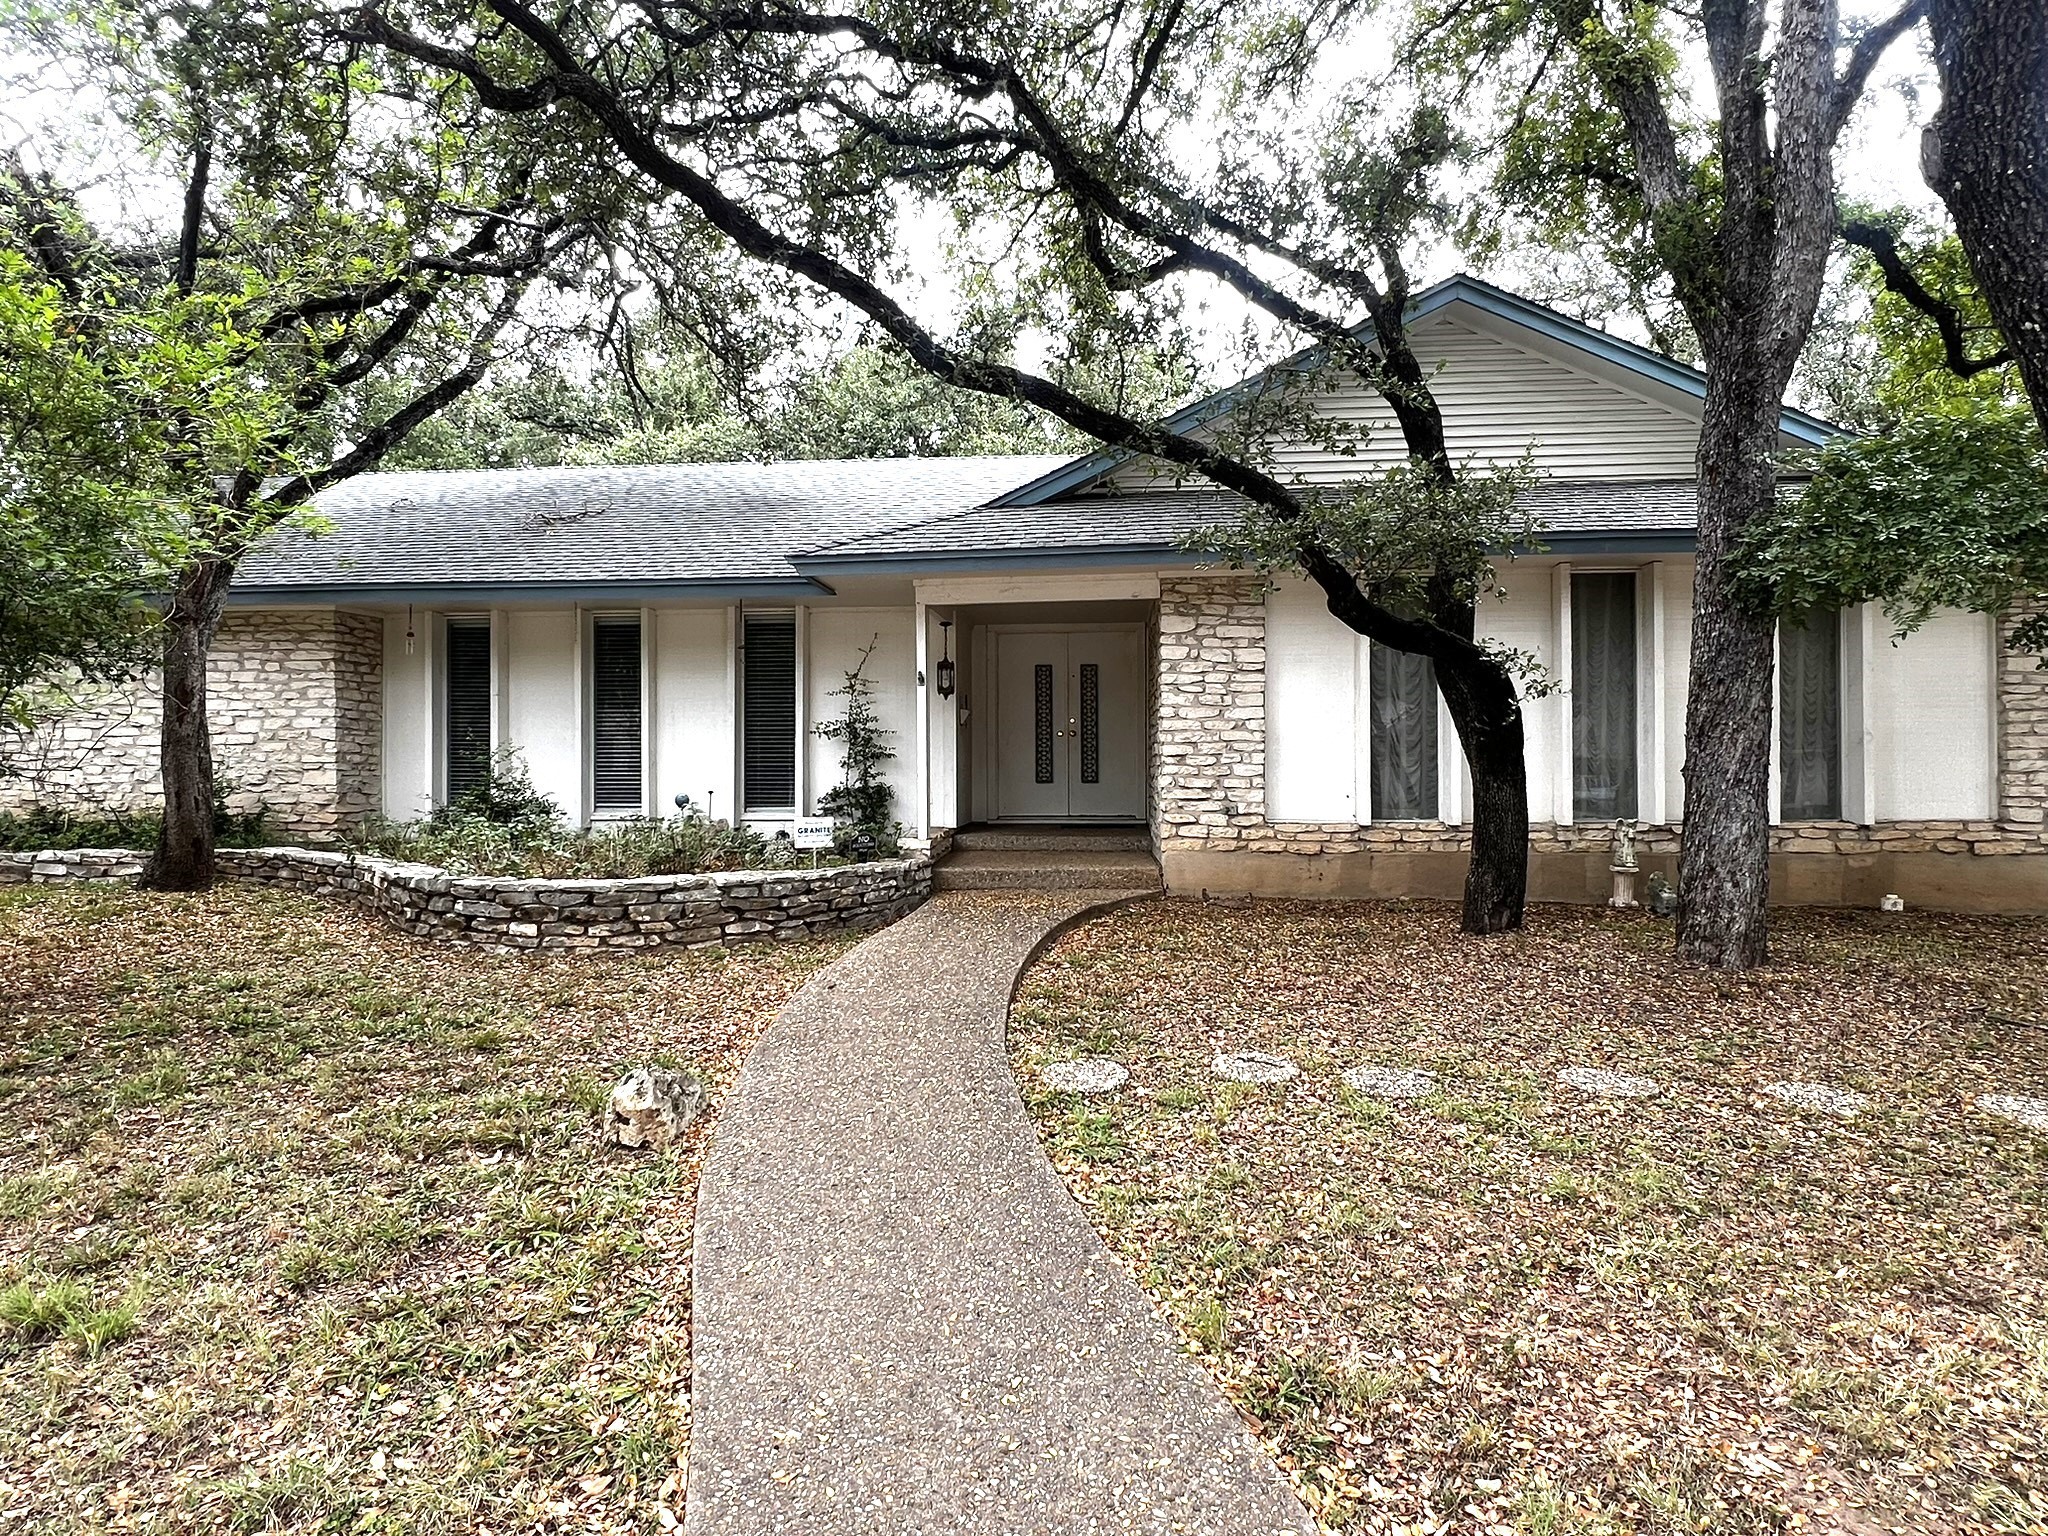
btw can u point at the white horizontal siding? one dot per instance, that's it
(1498, 400)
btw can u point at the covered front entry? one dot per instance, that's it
(1069, 722)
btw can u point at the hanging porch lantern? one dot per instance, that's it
(945, 668)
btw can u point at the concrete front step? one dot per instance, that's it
(1020, 869)
(1028, 839)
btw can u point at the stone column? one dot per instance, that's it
(1209, 729)
(2022, 726)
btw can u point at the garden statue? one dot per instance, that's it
(1621, 863)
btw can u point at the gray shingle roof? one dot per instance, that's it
(716, 524)
(776, 526)
(1154, 520)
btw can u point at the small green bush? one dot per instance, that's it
(505, 797)
(68, 826)
(622, 850)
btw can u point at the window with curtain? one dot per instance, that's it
(1603, 696)
(1810, 716)
(768, 704)
(1402, 691)
(466, 704)
(616, 750)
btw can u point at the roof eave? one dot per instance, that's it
(444, 594)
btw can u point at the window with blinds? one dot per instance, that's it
(466, 705)
(1810, 717)
(768, 699)
(1603, 696)
(616, 750)
(1402, 690)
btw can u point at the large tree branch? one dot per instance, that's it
(1899, 278)
(1863, 59)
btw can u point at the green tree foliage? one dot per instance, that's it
(1108, 181)
(867, 402)
(862, 801)
(322, 256)
(87, 526)
(1944, 502)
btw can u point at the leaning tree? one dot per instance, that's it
(1056, 136)
(309, 232)
(1735, 209)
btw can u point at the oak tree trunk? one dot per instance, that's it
(1986, 156)
(1481, 698)
(183, 860)
(1724, 857)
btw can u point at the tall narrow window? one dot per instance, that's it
(1603, 696)
(1403, 693)
(1810, 717)
(616, 750)
(768, 695)
(466, 705)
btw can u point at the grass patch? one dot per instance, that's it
(1511, 1306)
(302, 1225)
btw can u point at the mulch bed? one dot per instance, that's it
(303, 1225)
(1516, 1305)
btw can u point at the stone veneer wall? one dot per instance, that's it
(1209, 722)
(1209, 761)
(746, 906)
(2022, 727)
(295, 700)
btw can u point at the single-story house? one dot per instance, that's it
(1045, 653)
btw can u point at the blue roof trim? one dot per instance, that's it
(1464, 289)
(1073, 557)
(1055, 557)
(277, 594)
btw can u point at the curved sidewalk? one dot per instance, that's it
(902, 1321)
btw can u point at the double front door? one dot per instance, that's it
(1070, 724)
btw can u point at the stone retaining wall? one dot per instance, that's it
(742, 907)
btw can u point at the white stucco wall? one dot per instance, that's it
(836, 637)
(408, 749)
(1932, 720)
(693, 708)
(543, 701)
(1920, 713)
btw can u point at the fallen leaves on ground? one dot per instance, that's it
(303, 1224)
(1515, 1306)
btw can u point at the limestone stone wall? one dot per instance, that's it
(1209, 758)
(295, 701)
(746, 906)
(1209, 726)
(2022, 727)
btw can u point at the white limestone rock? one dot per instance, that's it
(1609, 1085)
(1824, 1097)
(651, 1107)
(1391, 1082)
(2017, 1107)
(1254, 1067)
(1089, 1074)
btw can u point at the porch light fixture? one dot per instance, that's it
(945, 668)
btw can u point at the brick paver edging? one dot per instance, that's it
(744, 906)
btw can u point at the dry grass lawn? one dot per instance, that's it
(1513, 1306)
(303, 1226)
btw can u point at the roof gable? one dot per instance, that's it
(1611, 376)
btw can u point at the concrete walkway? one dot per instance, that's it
(903, 1322)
